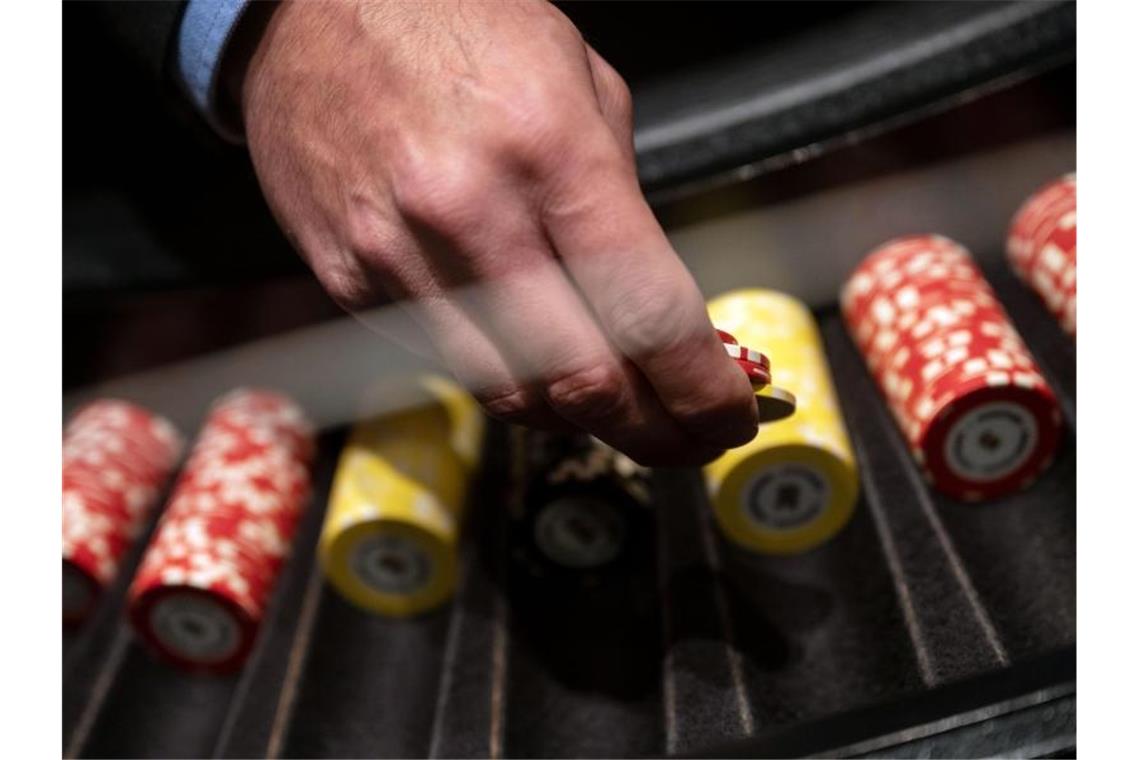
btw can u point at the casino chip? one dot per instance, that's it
(390, 537)
(772, 403)
(964, 389)
(117, 457)
(795, 484)
(1042, 247)
(205, 580)
(583, 516)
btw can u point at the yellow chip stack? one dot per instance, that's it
(795, 484)
(391, 535)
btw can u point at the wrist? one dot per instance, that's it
(235, 63)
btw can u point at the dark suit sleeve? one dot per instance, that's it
(144, 31)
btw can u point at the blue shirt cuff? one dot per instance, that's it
(207, 26)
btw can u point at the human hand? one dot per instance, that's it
(474, 162)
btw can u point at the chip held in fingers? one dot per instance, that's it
(772, 403)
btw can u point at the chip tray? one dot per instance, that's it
(918, 599)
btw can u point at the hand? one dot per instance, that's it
(474, 161)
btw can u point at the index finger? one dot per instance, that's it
(642, 294)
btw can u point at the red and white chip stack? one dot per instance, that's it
(207, 575)
(117, 456)
(970, 400)
(755, 364)
(1042, 247)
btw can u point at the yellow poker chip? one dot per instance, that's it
(391, 534)
(795, 484)
(783, 499)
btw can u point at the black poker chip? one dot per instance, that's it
(583, 519)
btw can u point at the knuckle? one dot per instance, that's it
(350, 291)
(651, 319)
(530, 124)
(362, 235)
(594, 393)
(438, 195)
(536, 128)
(513, 405)
(376, 254)
(618, 93)
(623, 95)
(624, 107)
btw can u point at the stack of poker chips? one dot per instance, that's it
(1042, 247)
(584, 513)
(207, 575)
(116, 458)
(390, 539)
(755, 364)
(966, 393)
(795, 484)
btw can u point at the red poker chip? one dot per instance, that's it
(1042, 246)
(953, 269)
(1043, 210)
(975, 458)
(137, 459)
(930, 319)
(929, 315)
(960, 382)
(248, 572)
(259, 491)
(737, 351)
(252, 542)
(254, 495)
(885, 308)
(261, 410)
(899, 261)
(744, 353)
(893, 263)
(163, 617)
(265, 536)
(925, 363)
(727, 338)
(968, 349)
(226, 533)
(116, 458)
(224, 521)
(757, 374)
(247, 579)
(917, 294)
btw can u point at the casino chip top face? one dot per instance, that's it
(391, 563)
(580, 532)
